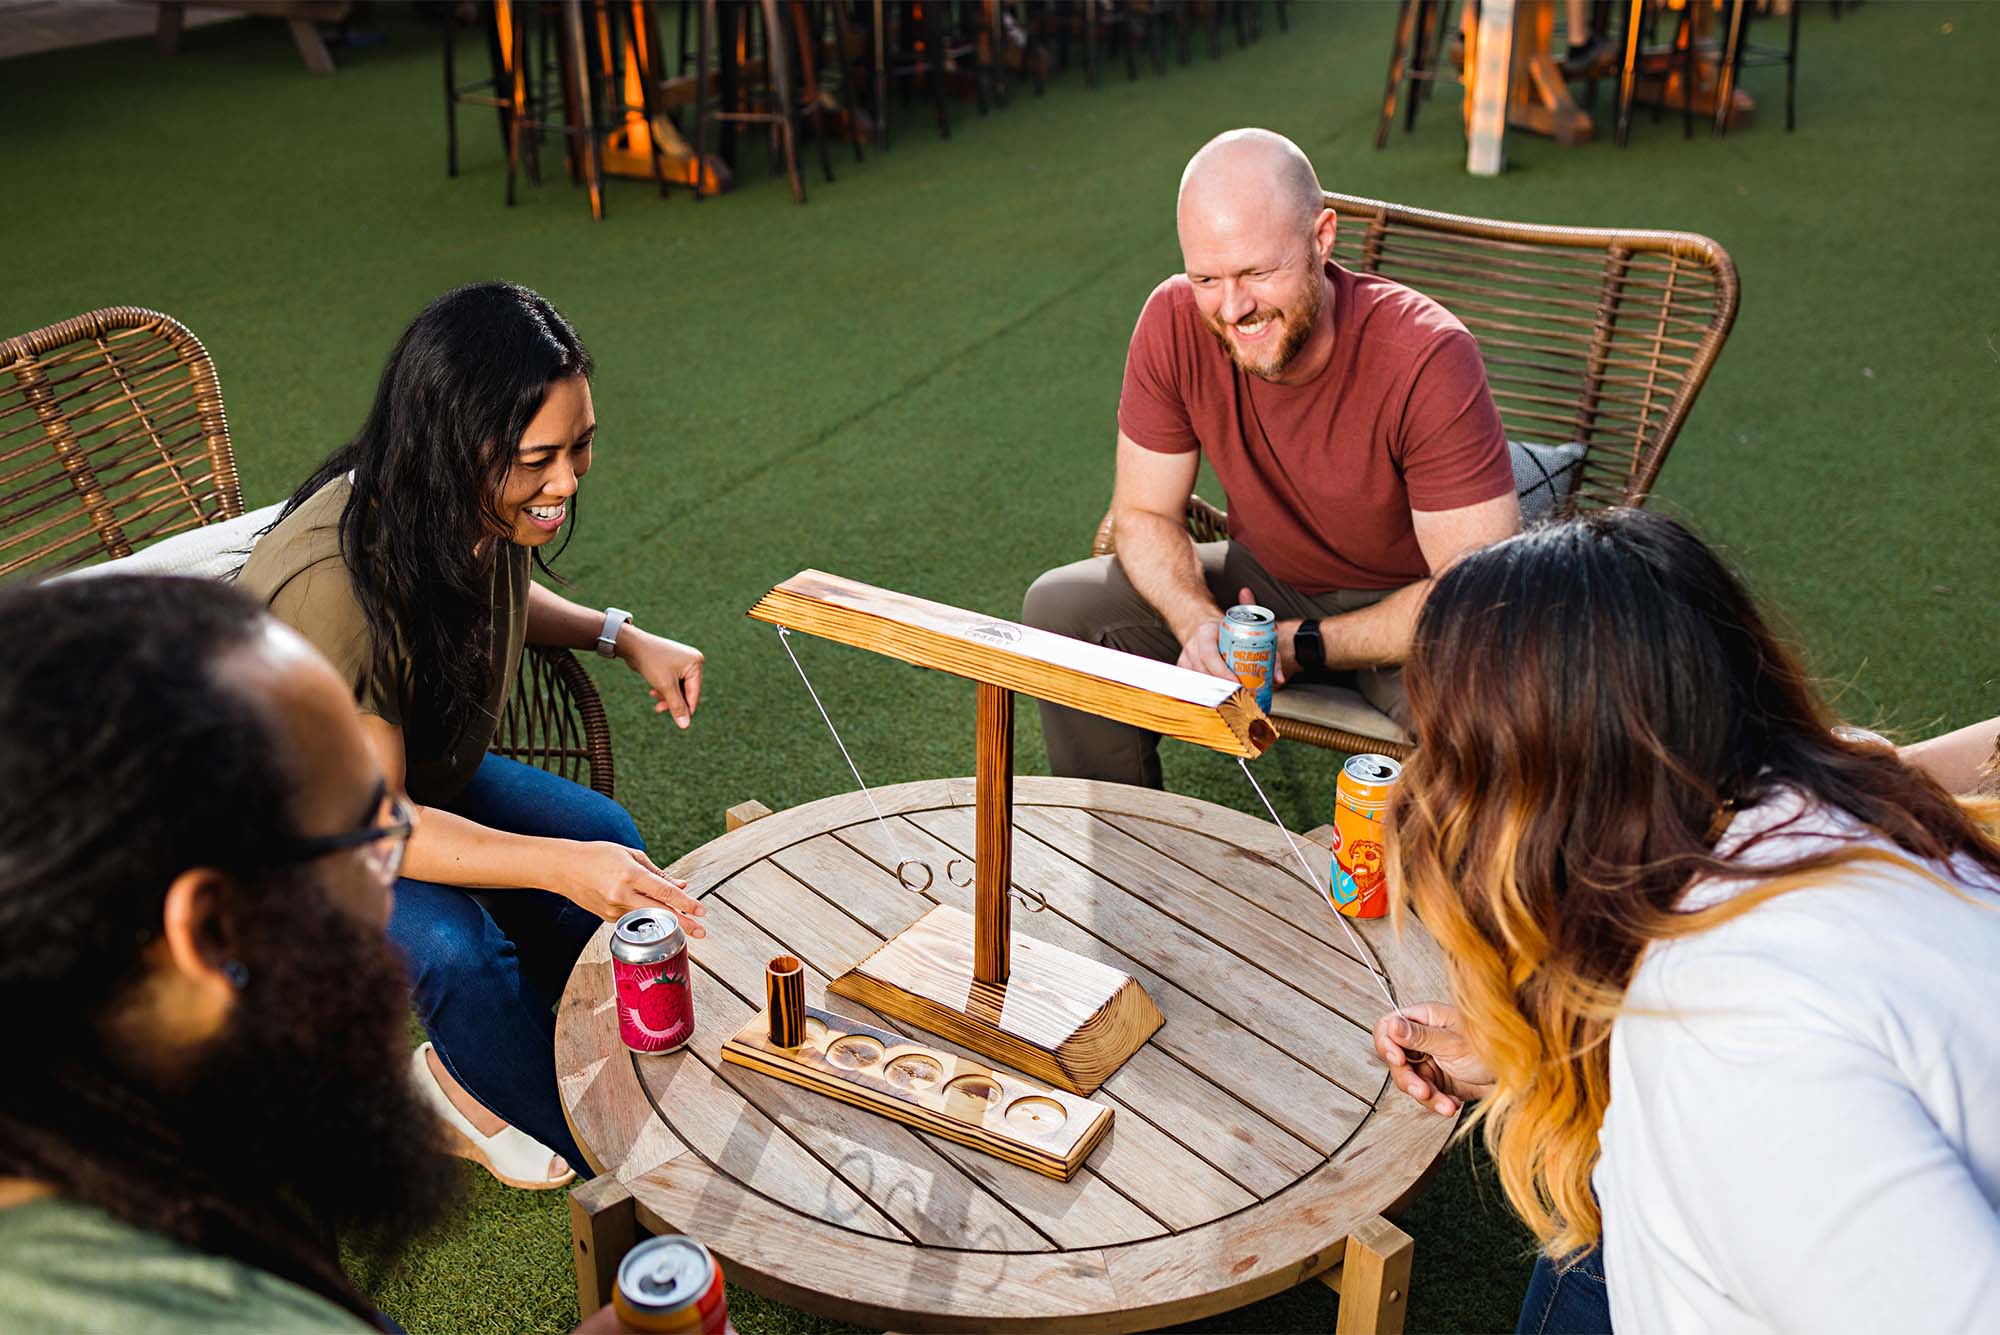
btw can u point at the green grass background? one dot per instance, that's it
(912, 381)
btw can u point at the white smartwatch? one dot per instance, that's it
(607, 639)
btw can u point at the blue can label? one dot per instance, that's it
(1248, 641)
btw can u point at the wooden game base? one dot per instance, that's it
(1060, 1017)
(936, 1091)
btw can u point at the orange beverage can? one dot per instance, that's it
(671, 1283)
(1357, 885)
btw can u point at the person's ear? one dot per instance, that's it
(1323, 233)
(199, 940)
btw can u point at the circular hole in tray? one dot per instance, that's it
(816, 1032)
(854, 1052)
(1036, 1113)
(980, 1089)
(914, 1070)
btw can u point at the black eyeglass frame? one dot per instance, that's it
(402, 825)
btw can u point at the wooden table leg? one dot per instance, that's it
(1373, 1280)
(603, 1226)
(743, 813)
(312, 47)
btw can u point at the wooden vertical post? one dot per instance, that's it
(1374, 1281)
(603, 1226)
(994, 798)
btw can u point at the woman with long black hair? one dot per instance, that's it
(1722, 977)
(407, 559)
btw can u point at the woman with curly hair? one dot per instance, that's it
(1722, 979)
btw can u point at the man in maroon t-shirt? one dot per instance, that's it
(1348, 420)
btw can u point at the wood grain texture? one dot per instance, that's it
(785, 1001)
(935, 1090)
(1164, 1223)
(993, 777)
(1159, 697)
(1060, 1017)
(1375, 1280)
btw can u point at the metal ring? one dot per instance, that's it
(929, 875)
(1032, 900)
(958, 862)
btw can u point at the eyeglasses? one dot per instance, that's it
(385, 843)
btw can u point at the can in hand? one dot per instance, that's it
(1247, 638)
(1359, 886)
(671, 1283)
(649, 970)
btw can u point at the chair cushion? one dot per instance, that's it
(1544, 476)
(1336, 707)
(214, 551)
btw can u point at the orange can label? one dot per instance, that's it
(1357, 884)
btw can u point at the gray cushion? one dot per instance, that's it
(214, 551)
(1544, 476)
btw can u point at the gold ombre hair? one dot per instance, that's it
(1594, 697)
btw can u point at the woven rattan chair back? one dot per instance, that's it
(112, 435)
(1602, 336)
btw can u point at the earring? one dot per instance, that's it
(238, 976)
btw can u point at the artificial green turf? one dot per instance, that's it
(911, 380)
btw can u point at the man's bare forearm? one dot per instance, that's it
(1374, 636)
(1158, 557)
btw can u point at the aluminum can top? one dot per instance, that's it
(1372, 771)
(1250, 615)
(647, 936)
(665, 1274)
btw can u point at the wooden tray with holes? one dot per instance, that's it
(963, 1100)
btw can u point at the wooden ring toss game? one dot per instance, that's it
(1037, 1007)
(1252, 1142)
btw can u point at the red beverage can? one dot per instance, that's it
(649, 969)
(672, 1283)
(1358, 885)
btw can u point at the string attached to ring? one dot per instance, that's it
(1381, 979)
(905, 867)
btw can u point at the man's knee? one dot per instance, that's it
(1060, 600)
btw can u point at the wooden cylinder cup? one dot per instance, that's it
(785, 993)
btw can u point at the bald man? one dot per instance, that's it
(1348, 419)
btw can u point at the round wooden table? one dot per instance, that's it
(1255, 1139)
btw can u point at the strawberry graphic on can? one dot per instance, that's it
(649, 970)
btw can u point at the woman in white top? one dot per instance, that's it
(1723, 981)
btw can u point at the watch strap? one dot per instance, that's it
(607, 639)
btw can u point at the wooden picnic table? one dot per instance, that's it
(1256, 1142)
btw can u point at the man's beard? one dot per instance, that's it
(306, 1098)
(1295, 328)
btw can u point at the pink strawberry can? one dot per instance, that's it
(649, 970)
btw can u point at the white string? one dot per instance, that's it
(1381, 979)
(784, 638)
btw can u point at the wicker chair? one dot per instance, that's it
(112, 436)
(1601, 336)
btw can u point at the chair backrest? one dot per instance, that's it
(1597, 335)
(111, 435)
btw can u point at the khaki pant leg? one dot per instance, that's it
(1381, 687)
(1092, 600)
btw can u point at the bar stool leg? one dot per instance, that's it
(781, 93)
(1405, 18)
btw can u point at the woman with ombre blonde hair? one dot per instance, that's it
(1722, 980)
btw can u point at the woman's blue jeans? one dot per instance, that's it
(1569, 1301)
(487, 967)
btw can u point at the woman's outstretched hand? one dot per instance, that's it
(1429, 1058)
(611, 880)
(671, 669)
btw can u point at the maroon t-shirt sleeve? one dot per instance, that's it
(1454, 447)
(1152, 405)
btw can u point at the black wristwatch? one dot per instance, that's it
(1307, 646)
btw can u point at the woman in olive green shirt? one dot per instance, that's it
(408, 560)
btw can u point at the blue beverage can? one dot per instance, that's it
(1248, 641)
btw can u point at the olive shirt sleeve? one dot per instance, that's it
(1454, 448)
(319, 603)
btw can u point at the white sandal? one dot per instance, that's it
(510, 1154)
